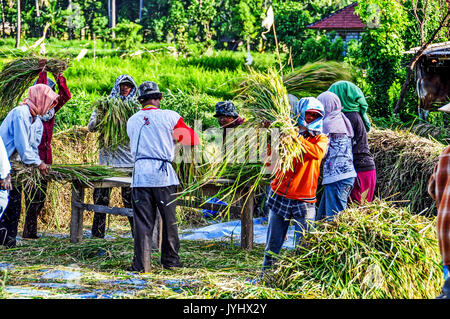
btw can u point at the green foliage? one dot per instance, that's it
(192, 107)
(326, 47)
(127, 37)
(382, 47)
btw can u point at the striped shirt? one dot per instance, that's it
(439, 189)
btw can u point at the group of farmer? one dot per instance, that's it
(332, 128)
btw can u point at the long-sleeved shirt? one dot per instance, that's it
(153, 135)
(362, 159)
(22, 132)
(5, 166)
(45, 148)
(301, 182)
(439, 189)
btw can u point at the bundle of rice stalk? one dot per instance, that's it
(404, 163)
(314, 78)
(18, 75)
(266, 99)
(244, 154)
(113, 115)
(373, 251)
(30, 177)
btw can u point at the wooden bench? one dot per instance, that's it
(245, 210)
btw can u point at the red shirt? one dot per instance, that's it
(45, 148)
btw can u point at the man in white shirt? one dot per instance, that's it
(153, 133)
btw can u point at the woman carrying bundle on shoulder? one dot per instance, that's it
(354, 107)
(338, 170)
(293, 194)
(124, 89)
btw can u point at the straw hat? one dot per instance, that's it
(445, 108)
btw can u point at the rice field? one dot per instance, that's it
(383, 250)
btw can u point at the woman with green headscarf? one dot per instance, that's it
(354, 107)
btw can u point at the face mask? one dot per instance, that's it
(48, 116)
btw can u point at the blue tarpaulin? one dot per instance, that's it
(232, 229)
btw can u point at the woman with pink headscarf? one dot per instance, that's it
(21, 132)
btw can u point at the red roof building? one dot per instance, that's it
(347, 24)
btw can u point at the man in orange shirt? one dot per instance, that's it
(293, 195)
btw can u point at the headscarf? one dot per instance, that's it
(40, 98)
(334, 121)
(352, 99)
(124, 78)
(309, 104)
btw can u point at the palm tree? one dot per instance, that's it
(18, 25)
(113, 19)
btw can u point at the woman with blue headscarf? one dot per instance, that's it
(293, 194)
(125, 89)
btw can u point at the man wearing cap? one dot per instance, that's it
(35, 199)
(125, 89)
(227, 116)
(439, 189)
(153, 133)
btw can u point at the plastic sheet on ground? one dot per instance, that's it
(232, 230)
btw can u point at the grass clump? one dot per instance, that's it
(370, 251)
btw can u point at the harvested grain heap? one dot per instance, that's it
(372, 251)
(18, 75)
(404, 163)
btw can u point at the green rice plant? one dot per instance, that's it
(112, 115)
(18, 75)
(370, 251)
(30, 177)
(265, 100)
(314, 78)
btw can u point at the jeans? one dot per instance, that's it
(3, 201)
(334, 198)
(277, 230)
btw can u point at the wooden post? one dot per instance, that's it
(247, 223)
(76, 218)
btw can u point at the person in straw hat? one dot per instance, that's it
(21, 132)
(439, 190)
(153, 134)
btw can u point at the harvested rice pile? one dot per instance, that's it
(373, 251)
(404, 163)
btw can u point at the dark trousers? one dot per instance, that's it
(34, 202)
(146, 201)
(101, 197)
(10, 219)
